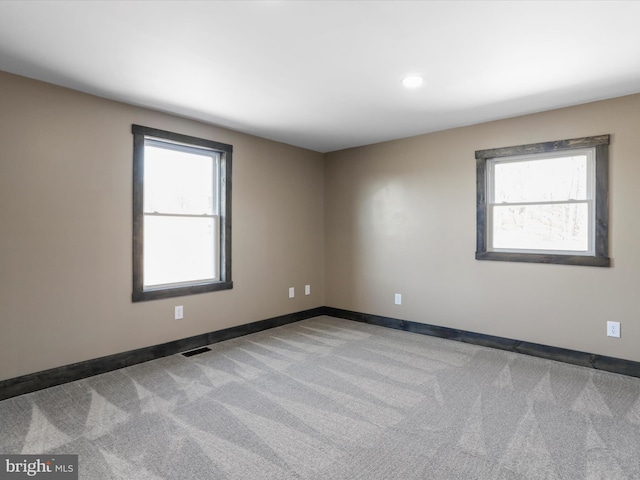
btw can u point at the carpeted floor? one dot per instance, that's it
(333, 399)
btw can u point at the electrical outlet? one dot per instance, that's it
(398, 299)
(613, 329)
(292, 292)
(179, 312)
(307, 289)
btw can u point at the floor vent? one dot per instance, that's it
(196, 351)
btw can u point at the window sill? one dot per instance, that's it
(141, 296)
(545, 258)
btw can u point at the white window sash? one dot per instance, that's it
(590, 200)
(215, 247)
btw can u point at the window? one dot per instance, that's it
(544, 203)
(181, 214)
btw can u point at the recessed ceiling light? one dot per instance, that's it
(412, 81)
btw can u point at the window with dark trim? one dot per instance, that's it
(181, 214)
(544, 202)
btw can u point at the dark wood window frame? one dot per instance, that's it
(225, 151)
(600, 258)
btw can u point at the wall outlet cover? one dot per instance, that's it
(613, 329)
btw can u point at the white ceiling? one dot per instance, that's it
(326, 75)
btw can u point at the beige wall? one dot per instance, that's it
(65, 231)
(400, 218)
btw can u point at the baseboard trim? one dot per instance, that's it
(77, 371)
(68, 373)
(583, 359)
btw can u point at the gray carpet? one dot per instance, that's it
(332, 399)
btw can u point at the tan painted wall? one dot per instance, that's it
(65, 231)
(400, 218)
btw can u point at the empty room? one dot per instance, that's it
(402, 246)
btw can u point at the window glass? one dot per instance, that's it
(177, 181)
(179, 249)
(541, 227)
(551, 179)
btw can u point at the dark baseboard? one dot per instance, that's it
(590, 360)
(69, 373)
(77, 371)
